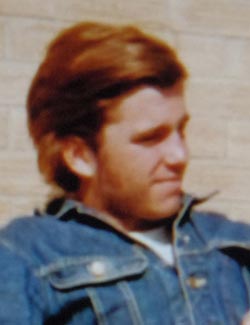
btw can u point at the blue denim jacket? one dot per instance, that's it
(84, 271)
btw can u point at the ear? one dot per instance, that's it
(79, 157)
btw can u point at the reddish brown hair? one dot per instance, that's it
(85, 64)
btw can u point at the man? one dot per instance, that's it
(123, 246)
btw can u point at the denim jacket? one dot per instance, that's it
(73, 268)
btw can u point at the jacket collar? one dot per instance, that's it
(68, 209)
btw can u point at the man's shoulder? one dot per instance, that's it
(46, 240)
(40, 238)
(28, 228)
(28, 235)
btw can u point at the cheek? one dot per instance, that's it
(127, 161)
(138, 161)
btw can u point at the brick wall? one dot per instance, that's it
(213, 39)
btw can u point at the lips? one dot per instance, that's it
(169, 186)
(168, 180)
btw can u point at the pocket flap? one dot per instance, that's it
(93, 270)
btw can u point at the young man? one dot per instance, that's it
(123, 246)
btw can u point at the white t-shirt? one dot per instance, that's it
(158, 240)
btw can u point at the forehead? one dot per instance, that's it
(147, 106)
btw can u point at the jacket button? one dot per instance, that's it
(97, 269)
(186, 239)
(196, 282)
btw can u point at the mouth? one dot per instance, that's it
(172, 185)
(168, 180)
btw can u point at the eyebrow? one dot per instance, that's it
(139, 135)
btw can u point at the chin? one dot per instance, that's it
(170, 207)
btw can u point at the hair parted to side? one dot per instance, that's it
(83, 65)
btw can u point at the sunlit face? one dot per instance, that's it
(142, 157)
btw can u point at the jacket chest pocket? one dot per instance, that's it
(105, 282)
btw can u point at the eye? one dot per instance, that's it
(151, 138)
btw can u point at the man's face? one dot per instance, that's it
(141, 158)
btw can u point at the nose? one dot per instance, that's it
(176, 151)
